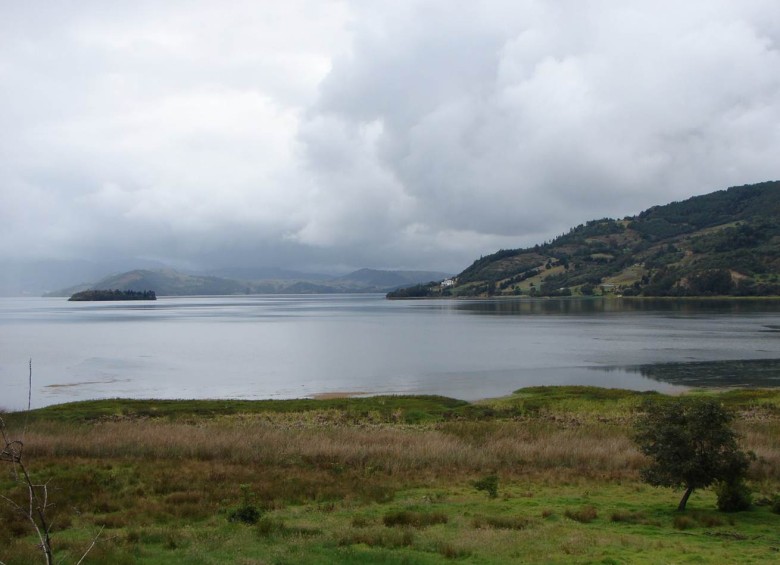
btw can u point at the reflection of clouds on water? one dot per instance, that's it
(741, 372)
(296, 346)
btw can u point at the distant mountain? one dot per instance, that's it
(168, 282)
(390, 279)
(723, 243)
(265, 274)
(37, 277)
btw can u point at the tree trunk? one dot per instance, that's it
(684, 499)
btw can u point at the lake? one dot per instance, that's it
(255, 347)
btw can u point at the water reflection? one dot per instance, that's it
(613, 305)
(294, 346)
(740, 372)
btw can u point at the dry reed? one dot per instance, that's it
(326, 441)
(391, 450)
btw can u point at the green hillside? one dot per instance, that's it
(723, 243)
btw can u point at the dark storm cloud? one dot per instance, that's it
(403, 134)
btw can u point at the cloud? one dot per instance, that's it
(404, 134)
(550, 116)
(167, 127)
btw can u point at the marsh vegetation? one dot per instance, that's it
(383, 479)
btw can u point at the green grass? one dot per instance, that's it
(520, 527)
(386, 408)
(611, 402)
(379, 480)
(576, 399)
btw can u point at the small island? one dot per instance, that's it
(106, 295)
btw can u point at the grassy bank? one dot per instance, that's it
(380, 480)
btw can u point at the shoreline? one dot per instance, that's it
(343, 399)
(770, 297)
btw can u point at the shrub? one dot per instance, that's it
(733, 496)
(487, 484)
(247, 512)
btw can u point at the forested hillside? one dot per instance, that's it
(723, 243)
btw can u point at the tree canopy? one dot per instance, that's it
(690, 444)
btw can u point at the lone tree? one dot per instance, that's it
(691, 445)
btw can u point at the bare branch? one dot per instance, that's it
(37, 495)
(14, 504)
(94, 541)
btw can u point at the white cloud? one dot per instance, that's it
(509, 124)
(408, 134)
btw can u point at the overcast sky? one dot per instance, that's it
(390, 134)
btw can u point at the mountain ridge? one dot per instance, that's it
(723, 243)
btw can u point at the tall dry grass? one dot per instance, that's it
(762, 437)
(514, 447)
(326, 441)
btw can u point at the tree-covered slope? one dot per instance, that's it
(723, 243)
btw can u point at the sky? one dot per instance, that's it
(333, 135)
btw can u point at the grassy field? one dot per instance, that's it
(379, 480)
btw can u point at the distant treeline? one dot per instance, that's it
(418, 291)
(101, 295)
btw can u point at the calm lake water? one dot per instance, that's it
(296, 346)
